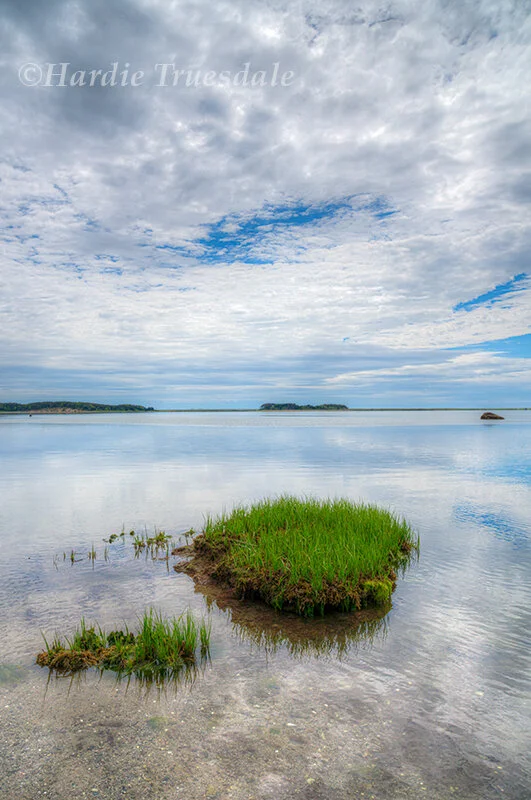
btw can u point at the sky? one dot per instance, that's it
(222, 204)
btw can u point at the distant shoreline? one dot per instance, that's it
(67, 412)
(343, 411)
(72, 407)
(70, 412)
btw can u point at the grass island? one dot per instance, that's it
(161, 648)
(308, 556)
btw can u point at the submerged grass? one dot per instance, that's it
(161, 648)
(154, 545)
(308, 555)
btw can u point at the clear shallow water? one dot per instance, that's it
(430, 701)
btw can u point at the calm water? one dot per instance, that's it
(430, 701)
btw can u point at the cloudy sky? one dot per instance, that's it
(331, 204)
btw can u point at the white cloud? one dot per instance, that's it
(464, 368)
(423, 106)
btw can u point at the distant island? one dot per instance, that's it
(68, 407)
(79, 407)
(295, 407)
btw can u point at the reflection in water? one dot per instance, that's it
(332, 635)
(112, 553)
(143, 682)
(500, 524)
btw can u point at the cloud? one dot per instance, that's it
(480, 368)
(374, 208)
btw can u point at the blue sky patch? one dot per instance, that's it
(254, 238)
(513, 346)
(379, 208)
(106, 257)
(238, 238)
(517, 284)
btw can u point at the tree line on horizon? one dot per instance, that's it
(67, 405)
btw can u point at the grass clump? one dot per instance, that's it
(308, 556)
(154, 545)
(162, 647)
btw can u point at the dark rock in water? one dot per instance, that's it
(491, 415)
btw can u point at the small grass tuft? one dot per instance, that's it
(161, 647)
(308, 556)
(154, 545)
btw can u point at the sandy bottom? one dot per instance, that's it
(271, 733)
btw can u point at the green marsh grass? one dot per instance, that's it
(155, 546)
(308, 555)
(160, 648)
(152, 545)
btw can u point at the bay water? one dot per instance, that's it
(431, 699)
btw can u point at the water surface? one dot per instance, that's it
(430, 700)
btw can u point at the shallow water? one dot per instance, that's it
(430, 700)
